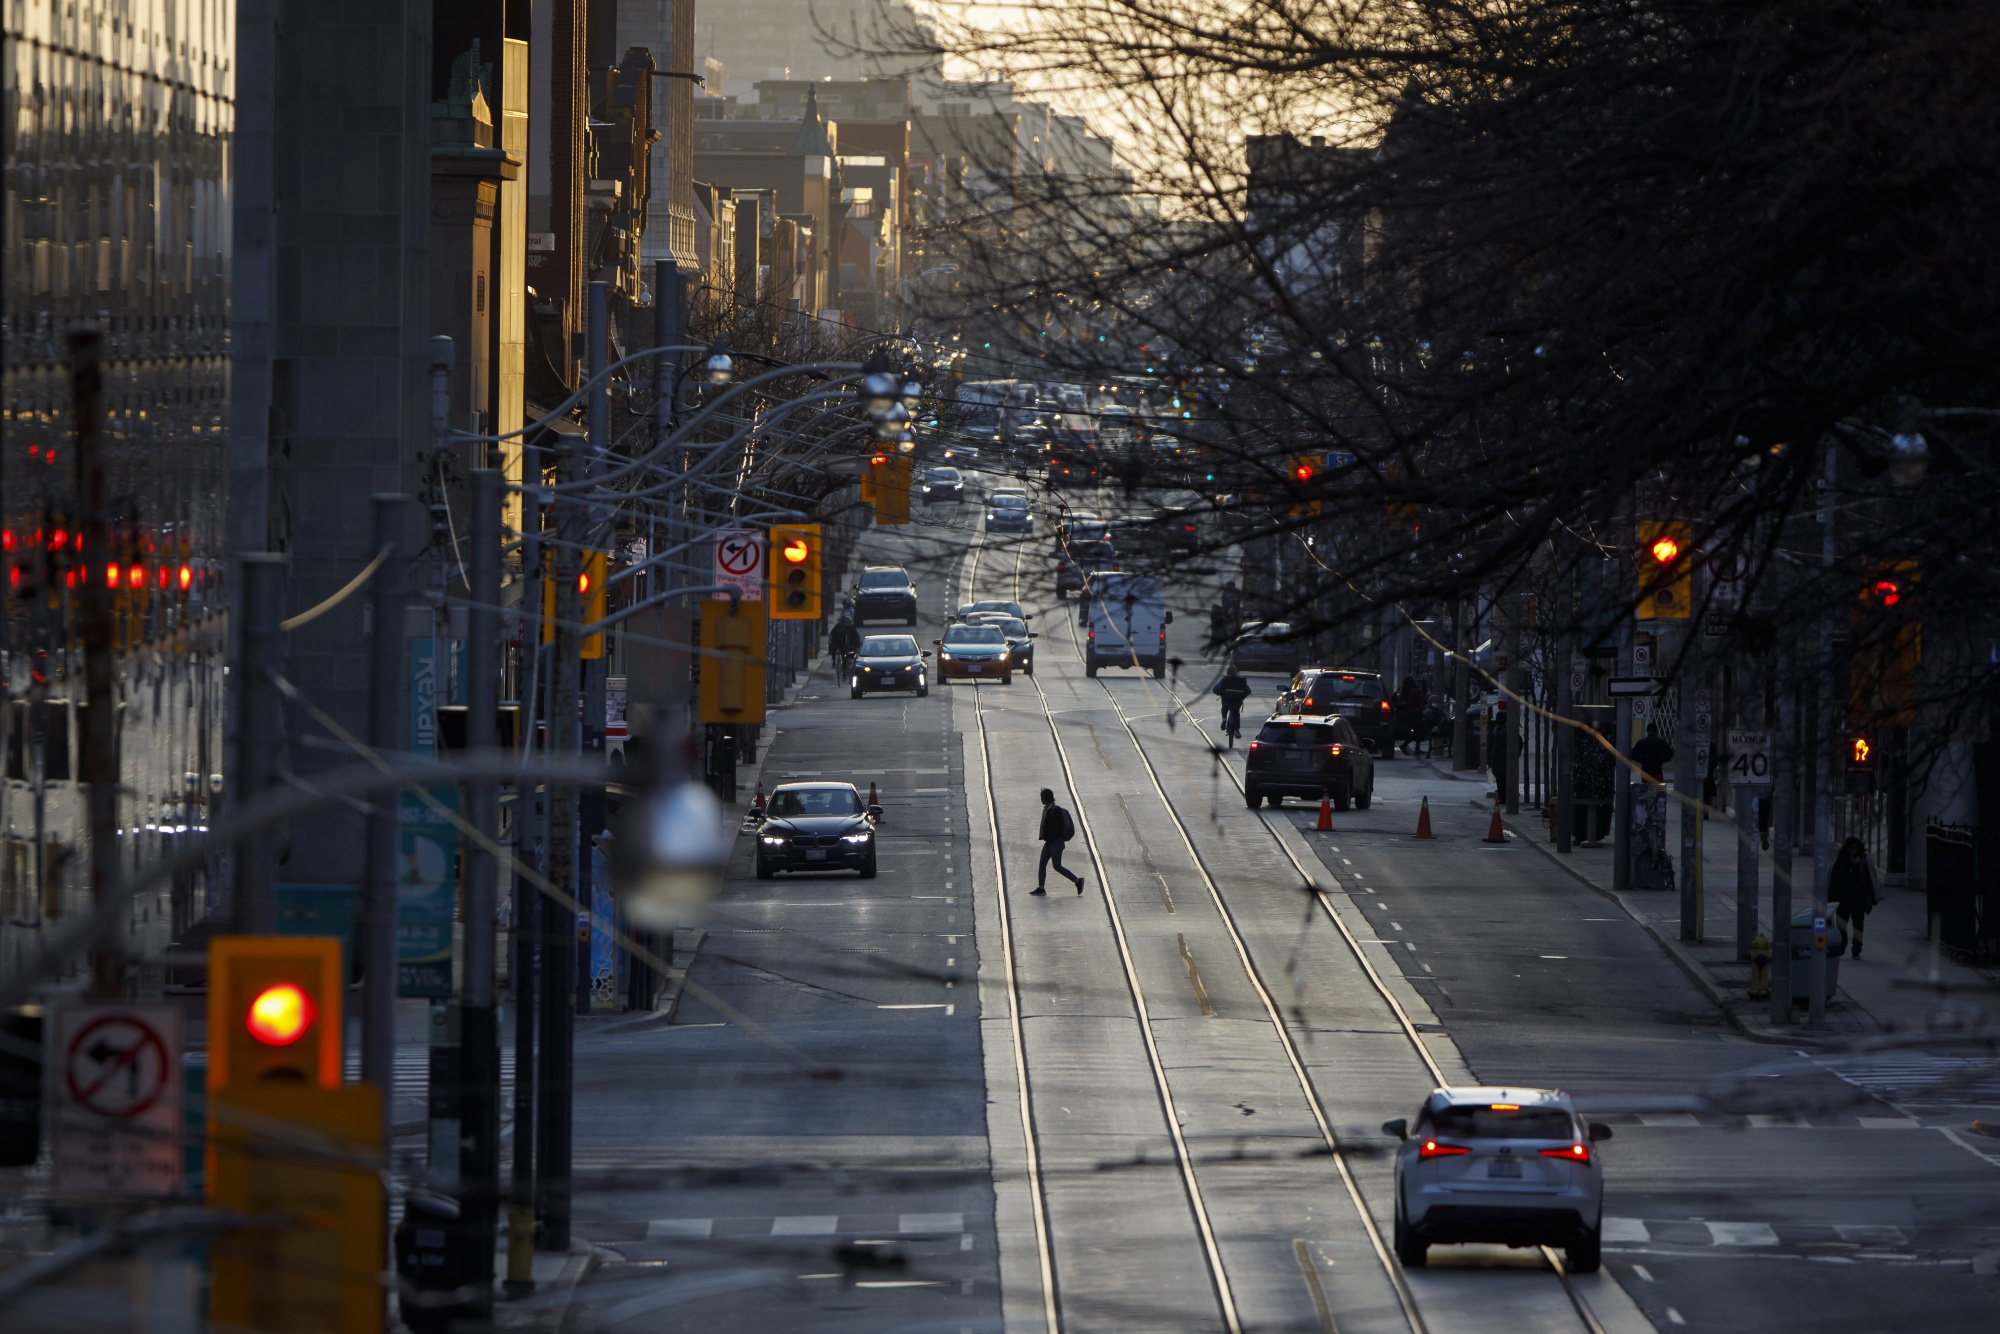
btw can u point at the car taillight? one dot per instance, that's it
(1432, 1149)
(1255, 744)
(1385, 706)
(1334, 749)
(1575, 1153)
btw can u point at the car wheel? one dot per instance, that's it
(858, 692)
(867, 868)
(1252, 798)
(911, 619)
(923, 692)
(1584, 1255)
(1089, 668)
(1159, 669)
(1367, 796)
(1340, 799)
(764, 871)
(1411, 1250)
(1028, 670)
(1006, 678)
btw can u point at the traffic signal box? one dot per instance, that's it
(795, 572)
(288, 1140)
(886, 485)
(732, 662)
(1303, 471)
(1887, 650)
(590, 592)
(1666, 570)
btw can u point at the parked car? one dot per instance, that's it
(817, 827)
(1296, 756)
(885, 593)
(1126, 620)
(1356, 696)
(1020, 639)
(1265, 646)
(890, 662)
(1516, 1166)
(974, 651)
(1076, 559)
(943, 484)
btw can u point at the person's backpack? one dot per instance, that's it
(1068, 826)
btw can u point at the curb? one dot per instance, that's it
(669, 1002)
(1696, 971)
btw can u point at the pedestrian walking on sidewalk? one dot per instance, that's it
(1850, 888)
(1652, 754)
(1057, 829)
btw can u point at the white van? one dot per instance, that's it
(1127, 620)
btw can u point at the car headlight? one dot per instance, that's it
(774, 840)
(861, 837)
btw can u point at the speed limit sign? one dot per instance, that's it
(1749, 756)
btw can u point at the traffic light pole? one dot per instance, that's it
(1825, 727)
(385, 735)
(530, 838)
(1688, 778)
(100, 722)
(479, 1111)
(1784, 822)
(257, 733)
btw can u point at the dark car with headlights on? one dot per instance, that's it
(975, 652)
(885, 593)
(1020, 639)
(889, 662)
(817, 827)
(1008, 514)
(1005, 608)
(1305, 757)
(943, 484)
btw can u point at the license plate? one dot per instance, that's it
(974, 671)
(819, 855)
(1300, 760)
(1506, 1168)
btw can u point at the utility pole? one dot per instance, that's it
(1823, 731)
(557, 984)
(530, 845)
(100, 716)
(1688, 778)
(479, 1035)
(1750, 714)
(1784, 820)
(379, 963)
(590, 803)
(257, 733)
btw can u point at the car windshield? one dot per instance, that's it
(973, 634)
(888, 646)
(1091, 553)
(1011, 608)
(1009, 502)
(1010, 626)
(1502, 1121)
(787, 802)
(1274, 630)
(1298, 734)
(1332, 685)
(944, 474)
(883, 579)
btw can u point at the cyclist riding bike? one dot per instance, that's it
(1233, 690)
(845, 642)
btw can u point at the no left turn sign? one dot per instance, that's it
(116, 1066)
(117, 1115)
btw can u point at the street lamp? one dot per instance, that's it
(719, 369)
(913, 393)
(683, 850)
(878, 385)
(892, 422)
(1909, 458)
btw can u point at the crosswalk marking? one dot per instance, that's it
(1888, 1123)
(931, 1223)
(1626, 1230)
(1668, 1119)
(1640, 1232)
(1743, 1234)
(663, 1229)
(805, 1225)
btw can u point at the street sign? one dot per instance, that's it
(1726, 573)
(1749, 756)
(739, 563)
(1642, 656)
(1636, 685)
(1715, 620)
(117, 1122)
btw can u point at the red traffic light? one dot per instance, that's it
(1886, 593)
(1302, 472)
(795, 551)
(280, 1015)
(1665, 550)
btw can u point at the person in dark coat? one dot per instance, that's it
(1408, 711)
(1057, 829)
(1850, 888)
(1652, 754)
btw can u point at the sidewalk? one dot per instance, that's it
(1900, 984)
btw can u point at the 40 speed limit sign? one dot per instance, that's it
(1749, 756)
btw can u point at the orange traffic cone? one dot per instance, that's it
(757, 802)
(1424, 820)
(1325, 811)
(873, 800)
(1494, 833)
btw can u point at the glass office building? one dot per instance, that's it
(117, 125)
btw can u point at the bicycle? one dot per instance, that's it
(1232, 723)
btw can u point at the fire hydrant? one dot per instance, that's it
(1760, 968)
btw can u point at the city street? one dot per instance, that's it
(848, 1144)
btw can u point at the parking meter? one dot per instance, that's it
(1819, 932)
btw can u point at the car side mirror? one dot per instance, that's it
(1398, 1127)
(925, 653)
(1032, 634)
(756, 816)
(1169, 620)
(1599, 1132)
(938, 643)
(875, 814)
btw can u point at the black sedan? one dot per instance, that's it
(1020, 639)
(889, 662)
(943, 484)
(1305, 757)
(817, 827)
(885, 593)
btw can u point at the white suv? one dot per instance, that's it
(1510, 1165)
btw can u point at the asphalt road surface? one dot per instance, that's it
(935, 1102)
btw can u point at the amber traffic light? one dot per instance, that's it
(731, 672)
(274, 1011)
(1666, 570)
(795, 572)
(590, 592)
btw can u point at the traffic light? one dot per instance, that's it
(1666, 570)
(795, 572)
(274, 1011)
(1860, 753)
(733, 637)
(1303, 470)
(590, 595)
(887, 485)
(1887, 650)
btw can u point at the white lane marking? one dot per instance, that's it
(1643, 1272)
(805, 1225)
(661, 1229)
(939, 1006)
(1626, 1230)
(1743, 1234)
(1871, 1234)
(912, 1223)
(1675, 1316)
